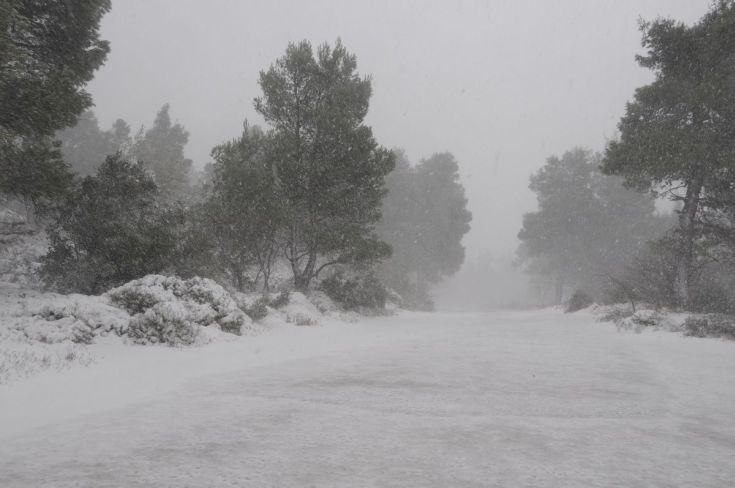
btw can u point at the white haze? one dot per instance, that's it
(500, 84)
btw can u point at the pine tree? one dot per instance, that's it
(48, 52)
(85, 146)
(424, 219)
(161, 149)
(243, 213)
(677, 137)
(110, 229)
(587, 227)
(330, 167)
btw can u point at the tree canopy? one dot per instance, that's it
(425, 217)
(588, 225)
(330, 167)
(677, 137)
(161, 149)
(48, 52)
(110, 229)
(243, 212)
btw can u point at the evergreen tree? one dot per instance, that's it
(110, 229)
(677, 137)
(330, 167)
(161, 149)
(243, 211)
(48, 52)
(588, 226)
(84, 146)
(424, 219)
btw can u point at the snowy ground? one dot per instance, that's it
(448, 400)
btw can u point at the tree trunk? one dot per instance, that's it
(303, 279)
(558, 289)
(687, 229)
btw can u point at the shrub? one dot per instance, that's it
(300, 310)
(164, 323)
(198, 301)
(110, 229)
(259, 309)
(710, 325)
(578, 301)
(710, 296)
(282, 299)
(73, 318)
(614, 313)
(641, 320)
(301, 319)
(362, 292)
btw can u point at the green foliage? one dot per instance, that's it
(33, 170)
(244, 210)
(651, 275)
(424, 219)
(361, 292)
(677, 136)
(710, 325)
(711, 296)
(163, 324)
(329, 166)
(48, 52)
(109, 230)
(161, 149)
(588, 227)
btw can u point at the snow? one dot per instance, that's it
(165, 306)
(537, 399)
(300, 310)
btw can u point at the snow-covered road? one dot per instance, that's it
(447, 400)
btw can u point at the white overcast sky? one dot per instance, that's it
(500, 84)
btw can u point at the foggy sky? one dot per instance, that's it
(500, 84)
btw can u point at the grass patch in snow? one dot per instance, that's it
(19, 361)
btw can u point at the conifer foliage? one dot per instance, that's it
(48, 52)
(331, 169)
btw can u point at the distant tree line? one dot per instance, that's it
(309, 189)
(425, 216)
(676, 142)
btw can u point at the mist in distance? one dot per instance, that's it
(502, 85)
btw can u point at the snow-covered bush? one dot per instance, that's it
(360, 292)
(257, 307)
(164, 323)
(653, 319)
(75, 318)
(188, 304)
(322, 302)
(578, 301)
(258, 310)
(641, 320)
(300, 311)
(613, 313)
(710, 325)
(282, 299)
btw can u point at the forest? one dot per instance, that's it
(650, 218)
(311, 195)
